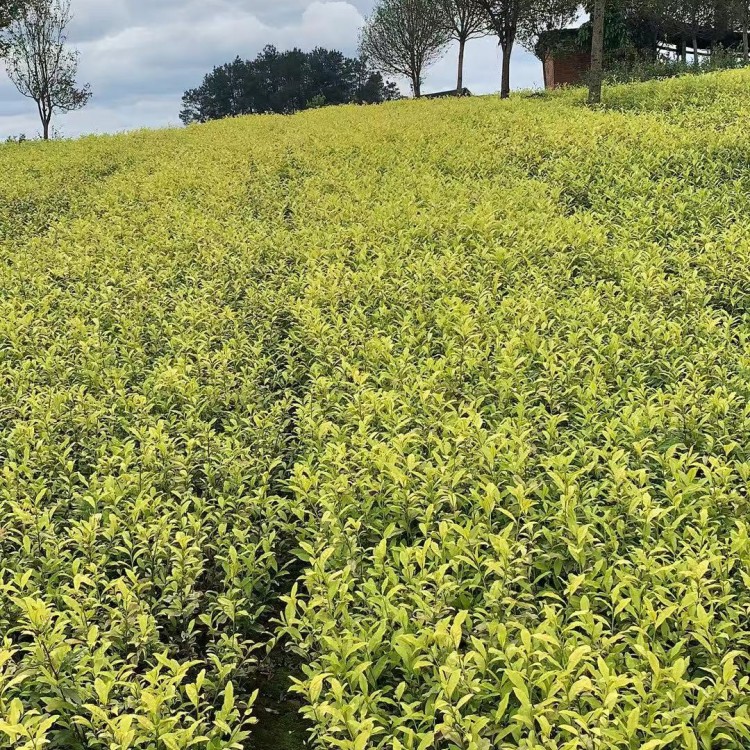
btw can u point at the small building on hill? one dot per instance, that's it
(565, 62)
(566, 53)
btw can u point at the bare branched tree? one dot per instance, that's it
(464, 20)
(40, 64)
(405, 37)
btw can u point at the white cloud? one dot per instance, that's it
(141, 55)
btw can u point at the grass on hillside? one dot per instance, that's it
(441, 408)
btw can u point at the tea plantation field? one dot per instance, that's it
(440, 410)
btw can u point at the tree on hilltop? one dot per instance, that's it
(284, 83)
(523, 20)
(464, 20)
(405, 37)
(39, 62)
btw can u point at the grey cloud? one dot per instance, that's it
(141, 55)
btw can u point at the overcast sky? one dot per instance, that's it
(141, 55)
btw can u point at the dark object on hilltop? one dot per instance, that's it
(451, 92)
(284, 83)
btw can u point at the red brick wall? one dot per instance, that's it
(565, 69)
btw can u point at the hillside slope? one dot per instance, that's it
(448, 398)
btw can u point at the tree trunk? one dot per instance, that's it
(416, 86)
(505, 80)
(45, 114)
(460, 80)
(597, 53)
(683, 51)
(745, 48)
(696, 60)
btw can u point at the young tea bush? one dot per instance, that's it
(448, 398)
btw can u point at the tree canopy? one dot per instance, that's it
(10, 10)
(284, 83)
